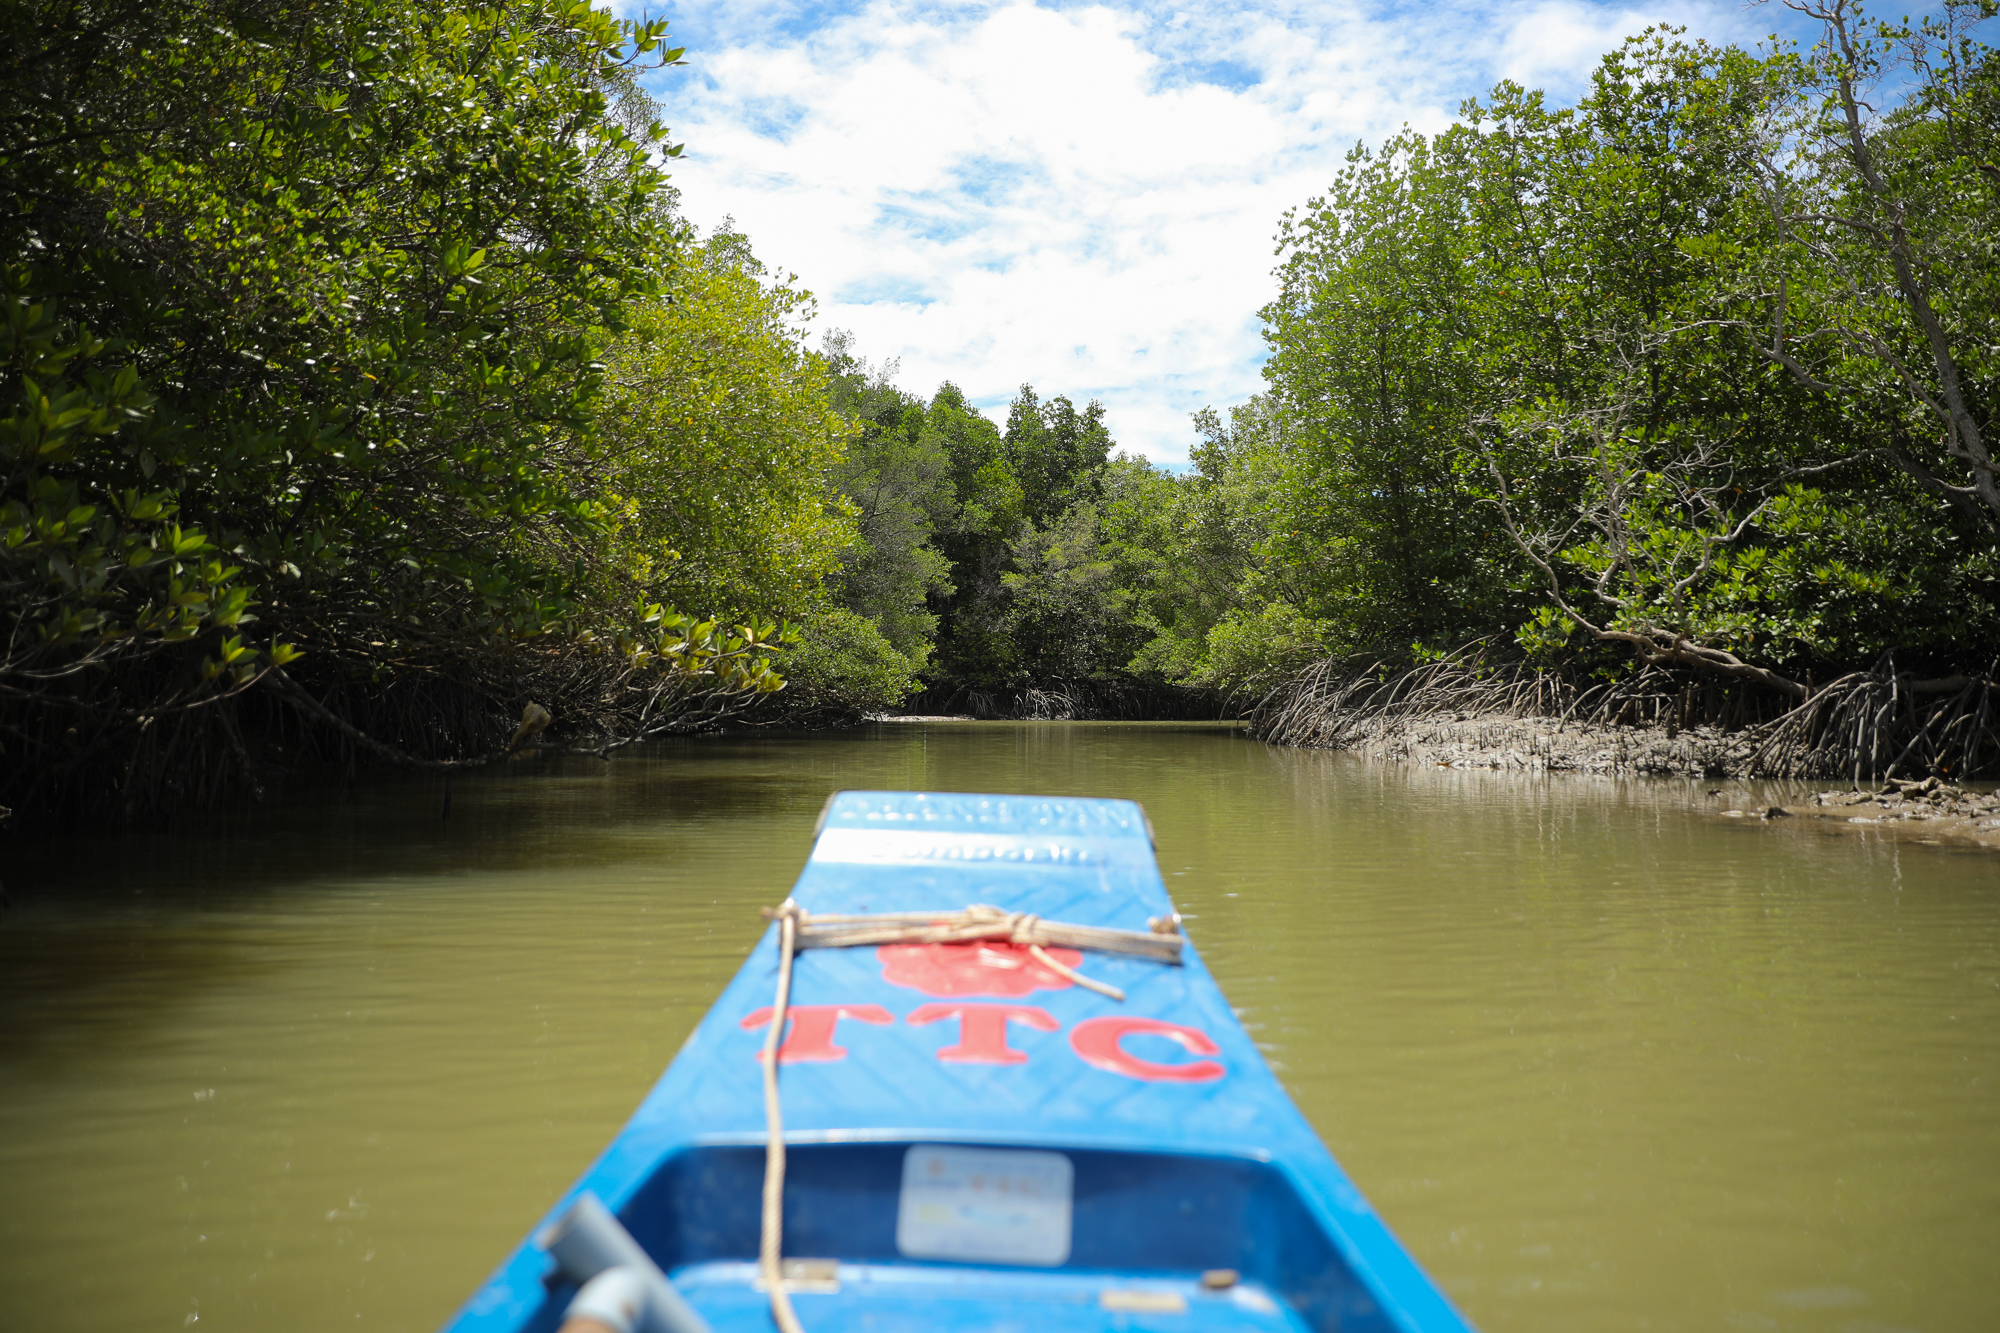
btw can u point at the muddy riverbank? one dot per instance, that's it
(1929, 810)
(1449, 739)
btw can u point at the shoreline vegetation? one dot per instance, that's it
(1462, 710)
(366, 400)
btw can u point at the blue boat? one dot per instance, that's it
(976, 1134)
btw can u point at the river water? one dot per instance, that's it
(1604, 1060)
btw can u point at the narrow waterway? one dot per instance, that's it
(1604, 1060)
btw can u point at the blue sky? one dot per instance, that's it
(1080, 196)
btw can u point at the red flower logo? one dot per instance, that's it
(983, 967)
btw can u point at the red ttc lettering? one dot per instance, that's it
(982, 1030)
(1099, 1042)
(812, 1026)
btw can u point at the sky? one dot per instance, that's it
(1081, 196)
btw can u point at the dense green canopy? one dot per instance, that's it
(1702, 366)
(358, 338)
(358, 363)
(1700, 369)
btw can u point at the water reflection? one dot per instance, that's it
(1604, 1060)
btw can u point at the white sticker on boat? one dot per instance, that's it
(990, 1205)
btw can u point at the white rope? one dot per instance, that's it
(1041, 956)
(1162, 941)
(771, 1242)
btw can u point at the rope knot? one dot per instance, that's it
(787, 910)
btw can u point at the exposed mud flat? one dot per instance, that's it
(1928, 811)
(1549, 745)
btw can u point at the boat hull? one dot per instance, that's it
(973, 1140)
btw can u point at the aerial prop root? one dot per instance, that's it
(1864, 725)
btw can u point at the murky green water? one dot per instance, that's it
(1605, 1063)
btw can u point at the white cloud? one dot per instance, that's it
(1556, 42)
(1082, 197)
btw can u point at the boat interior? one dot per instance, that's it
(1154, 1240)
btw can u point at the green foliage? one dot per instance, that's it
(1675, 367)
(898, 475)
(1054, 451)
(89, 569)
(1872, 275)
(357, 255)
(716, 435)
(843, 668)
(1701, 366)
(1223, 576)
(1065, 608)
(989, 497)
(704, 656)
(1250, 652)
(1028, 601)
(1368, 338)
(363, 331)
(973, 643)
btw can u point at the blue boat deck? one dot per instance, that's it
(976, 1142)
